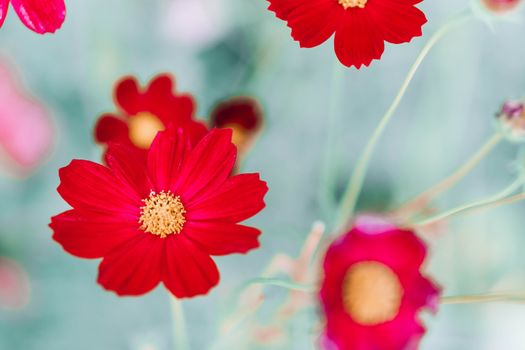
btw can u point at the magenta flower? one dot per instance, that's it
(26, 131)
(373, 290)
(41, 16)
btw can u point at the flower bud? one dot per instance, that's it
(511, 120)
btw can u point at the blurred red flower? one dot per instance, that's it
(373, 288)
(143, 113)
(26, 131)
(41, 16)
(361, 26)
(243, 115)
(160, 219)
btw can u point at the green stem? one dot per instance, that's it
(348, 203)
(180, 335)
(281, 283)
(326, 193)
(483, 298)
(422, 200)
(495, 200)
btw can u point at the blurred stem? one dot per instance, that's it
(180, 335)
(492, 201)
(483, 298)
(348, 203)
(327, 188)
(422, 200)
(281, 283)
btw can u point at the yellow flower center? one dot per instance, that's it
(143, 128)
(372, 293)
(352, 3)
(240, 135)
(162, 214)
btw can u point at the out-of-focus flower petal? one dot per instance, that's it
(4, 6)
(26, 132)
(41, 16)
(14, 285)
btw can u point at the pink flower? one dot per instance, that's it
(26, 130)
(501, 6)
(373, 290)
(41, 16)
(14, 285)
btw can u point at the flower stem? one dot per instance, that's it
(422, 200)
(281, 283)
(326, 190)
(492, 201)
(180, 336)
(483, 298)
(348, 203)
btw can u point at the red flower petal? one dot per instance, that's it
(128, 96)
(423, 293)
(129, 165)
(401, 250)
(160, 88)
(241, 197)
(41, 16)
(134, 268)
(90, 186)
(4, 6)
(110, 128)
(196, 131)
(188, 271)
(399, 23)
(243, 111)
(207, 166)
(312, 22)
(161, 98)
(90, 235)
(407, 337)
(221, 238)
(165, 157)
(358, 41)
(338, 324)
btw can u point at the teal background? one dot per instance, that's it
(446, 115)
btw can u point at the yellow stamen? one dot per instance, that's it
(372, 293)
(353, 3)
(143, 128)
(162, 214)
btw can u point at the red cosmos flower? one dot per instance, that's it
(144, 113)
(361, 26)
(159, 219)
(373, 290)
(41, 16)
(243, 115)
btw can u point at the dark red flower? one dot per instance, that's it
(373, 289)
(159, 219)
(243, 115)
(41, 16)
(361, 26)
(143, 113)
